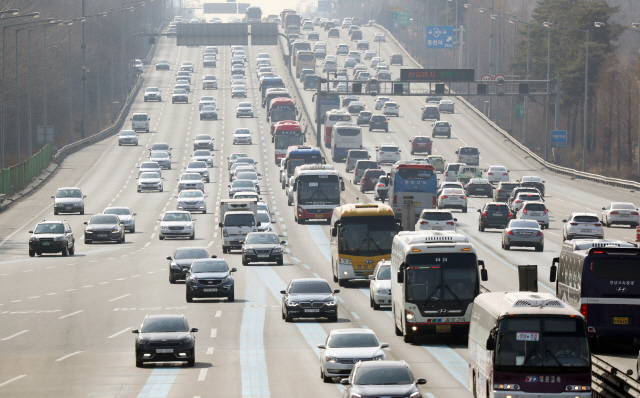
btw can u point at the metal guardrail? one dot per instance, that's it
(18, 176)
(616, 182)
(610, 382)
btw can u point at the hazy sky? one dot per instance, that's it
(268, 7)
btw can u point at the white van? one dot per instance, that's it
(140, 122)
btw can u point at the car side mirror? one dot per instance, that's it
(194, 330)
(30, 232)
(234, 270)
(53, 197)
(283, 292)
(86, 223)
(604, 208)
(372, 277)
(336, 291)
(554, 270)
(220, 225)
(334, 232)
(322, 346)
(564, 220)
(345, 382)
(136, 331)
(491, 343)
(421, 381)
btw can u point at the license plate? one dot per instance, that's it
(46, 243)
(443, 328)
(535, 214)
(102, 235)
(620, 320)
(68, 207)
(164, 350)
(210, 290)
(319, 215)
(311, 310)
(437, 228)
(585, 230)
(348, 366)
(263, 255)
(498, 214)
(625, 215)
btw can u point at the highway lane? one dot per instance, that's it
(287, 362)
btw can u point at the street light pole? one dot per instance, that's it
(83, 128)
(69, 23)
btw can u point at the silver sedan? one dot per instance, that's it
(526, 233)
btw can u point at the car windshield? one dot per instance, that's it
(384, 273)
(497, 168)
(376, 118)
(529, 197)
(244, 105)
(186, 253)
(197, 165)
(203, 137)
(49, 228)
(239, 220)
(140, 117)
(237, 155)
(164, 325)
(263, 239)
(153, 89)
(383, 376)
(535, 207)
(587, 219)
(127, 133)
(104, 219)
(436, 216)
(68, 193)
(622, 206)
(209, 266)
(177, 217)
(120, 211)
(202, 153)
(180, 91)
(159, 154)
(524, 224)
(352, 340)
(242, 184)
(310, 287)
(149, 175)
(263, 217)
(195, 193)
(241, 132)
(452, 191)
(203, 99)
(247, 175)
(389, 149)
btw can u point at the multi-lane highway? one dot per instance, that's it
(65, 322)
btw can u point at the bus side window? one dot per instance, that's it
(400, 277)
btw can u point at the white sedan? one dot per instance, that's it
(497, 174)
(242, 136)
(176, 224)
(380, 285)
(342, 346)
(620, 213)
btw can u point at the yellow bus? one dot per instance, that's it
(361, 236)
(305, 60)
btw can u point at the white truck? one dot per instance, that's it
(238, 218)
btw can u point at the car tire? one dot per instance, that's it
(633, 225)
(342, 282)
(191, 362)
(172, 280)
(325, 378)
(82, 212)
(287, 318)
(88, 242)
(280, 261)
(32, 253)
(139, 362)
(407, 339)
(539, 248)
(160, 237)
(224, 250)
(464, 209)
(72, 249)
(375, 305)
(65, 251)
(333, 318)
(193, 236)
(55, 213)
(189, 297)
(506, 247)
(480, 227)
(244, 261)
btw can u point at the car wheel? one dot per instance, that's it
(192, 361)
(325, 378)
(539, 248)
(280, 261)
(139, 362)
(633, 225)
(65, 251)
(224, 250)
(88, 242)
(333, 318)
(82, 212)
(160, 237)
(407, 339)
(133, 230)
(480, 227)
(232, 297)
(193, 236)
(244, 261)
(342, 282)
(32, 253)
(171, 279)
(287, 318)
(72, 249)
(189, 297)
(55, 213)
(506, 247)
(464, 209)
(375, 305)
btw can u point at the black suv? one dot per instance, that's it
(481, 187)
(378, 122)
(182, 259)
(210, 277)
(311, 82)
(396, 59)
(165, 338)
(52, 237)
(430, 112)
(493, 215)
(309, 298)
(503, 191)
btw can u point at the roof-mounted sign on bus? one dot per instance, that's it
(437, 75)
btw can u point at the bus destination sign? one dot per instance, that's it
(437, 75)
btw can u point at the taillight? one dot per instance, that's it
(634, 213)
(510, 232)
(395, 200)
(524, 211)
(381, 185)
(464, 197)
(450, 223)
(597, 224)
(614, 212)
(423, 222)
(545, 212)
(335, 147)
(490, 174)
(484, 213)
(539, 233)
(500, 191)
(583, 310)
(518, 201)
(505, 174)
(510, 214)
(443, 197)
(573, 223)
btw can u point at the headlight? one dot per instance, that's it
(33, 239)
(227, 279)
(378, 357)
(142, 341)
(344, 261)
(58, 238)
(88, 229)
(187, 340)
(415, 395)
(277, 250)
(115, 230)
(410, 317)
(249, 251)
(163, 226)
(291, 304)
(330, 303)
(175, 266)
(354, 395)
(188, 226)
(206, 173)
(575, 388)
(225, 233)
(512, 387)
(332, 359)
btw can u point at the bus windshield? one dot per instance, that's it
(526, 343)
(285, 141)
(366, 236)
(318, 190)
(283, 112)
(441, 277)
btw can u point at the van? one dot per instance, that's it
(360, 167)
(140, 122)
(353, 156)
(468, 155)
(238, 219)
(451, 171)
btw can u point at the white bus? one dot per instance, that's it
(527, 344)
(316, 192)
(331, 118)
(434, 278)
(345, 136)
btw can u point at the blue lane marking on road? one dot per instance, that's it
(253, 364)
(320, 239)
(159, 383)
(475, 242)
(454, 363)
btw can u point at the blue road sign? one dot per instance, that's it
(324, 5)
(439, 36)
(559, 138)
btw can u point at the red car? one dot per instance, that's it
(369, 178)
(421, 144)
(396, 59)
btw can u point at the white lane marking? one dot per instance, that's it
(209, 350)
(118, 298)
(121, 279)
(135, 276)
(14, 335)
(51, 294)
(67, 356)
(295, 259)
(306, 266)
(340, 299)
(147, 244)
(119, 333)
(153, 235)
(316, 275)
(72, 314)
(214, 333)
(34, 297)
(12, 380)
(218, 313)
(355, 315)
(553, 233)
(69, 290)
(203, 374)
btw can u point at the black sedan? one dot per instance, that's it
(363, 118)
(382, 378)
(309, 298)
(494, 215)
(105, 228)
(52, 237)
(262, 247)
(165, 338)
(182, 259)
(479, 187)
(210, 277)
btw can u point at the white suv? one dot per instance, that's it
(388, 153)
(582, 225)
(436, 220)
(534, 211)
